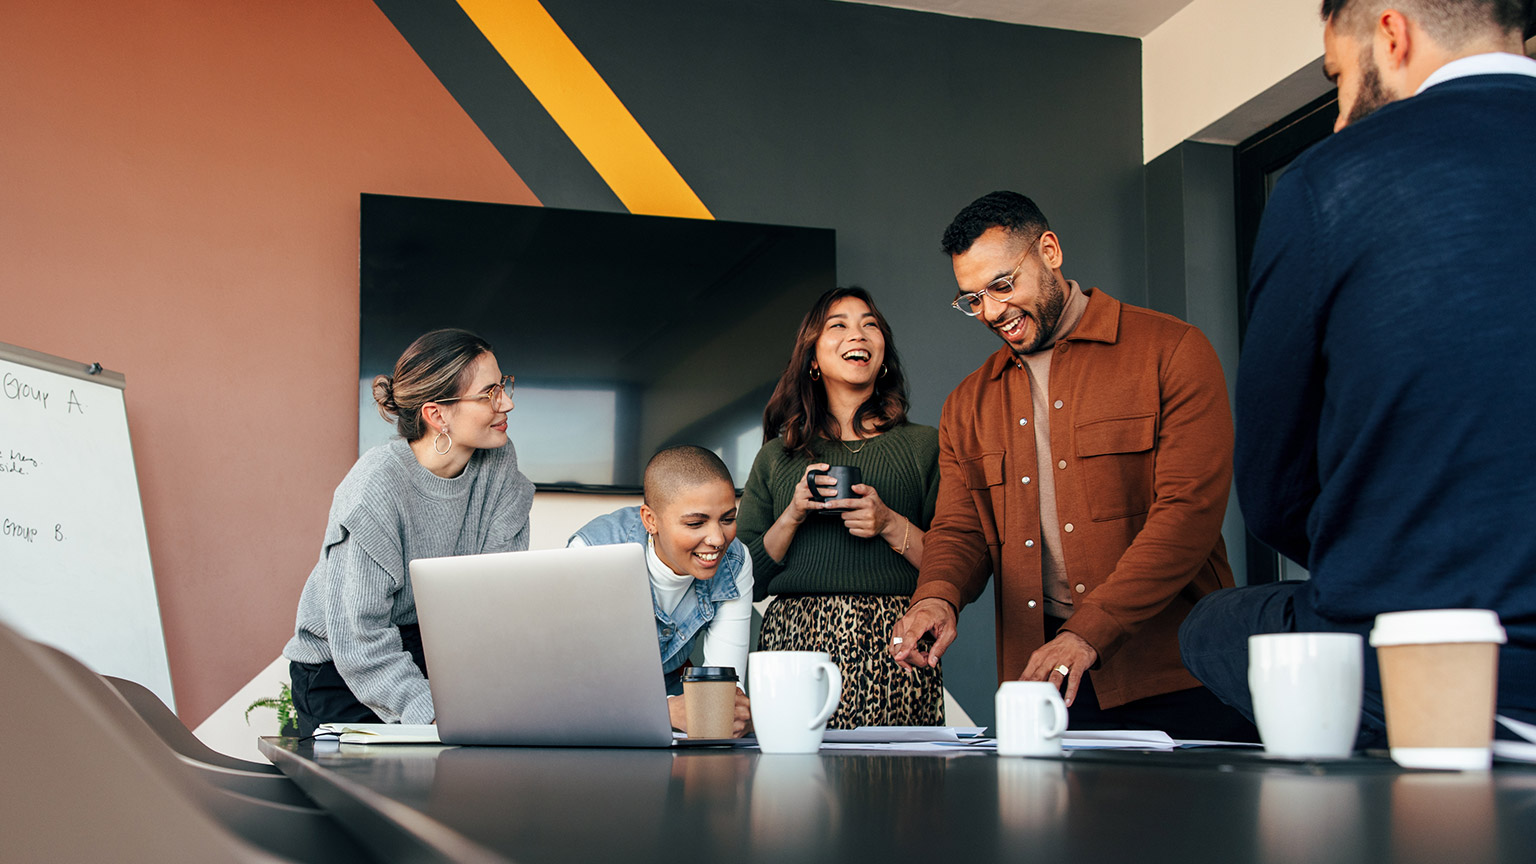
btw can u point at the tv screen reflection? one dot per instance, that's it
(626, 333)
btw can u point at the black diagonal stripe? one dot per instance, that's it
(497, 101)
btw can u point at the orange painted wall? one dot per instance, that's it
(179, 187)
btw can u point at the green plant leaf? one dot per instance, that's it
(282, 703)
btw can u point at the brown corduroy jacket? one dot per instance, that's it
(1141, 419)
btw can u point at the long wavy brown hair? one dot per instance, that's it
(798, 411)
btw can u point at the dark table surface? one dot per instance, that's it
(564, 805)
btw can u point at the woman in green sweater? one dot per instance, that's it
(842, 579)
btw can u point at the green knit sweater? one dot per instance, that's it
(903, 467)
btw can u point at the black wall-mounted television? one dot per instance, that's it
(626, 333)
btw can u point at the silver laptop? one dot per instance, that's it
(551, 648)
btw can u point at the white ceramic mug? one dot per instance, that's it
(1031, 718)
(1306, 692)
(793, 694)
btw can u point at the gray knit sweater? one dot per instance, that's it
(386, 512)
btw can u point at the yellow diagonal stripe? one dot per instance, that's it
(585, 107)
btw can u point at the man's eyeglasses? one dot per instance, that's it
(491, 395)
(999, 289)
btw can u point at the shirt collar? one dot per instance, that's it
(1071, 313)
(1494, 63)
(1100, 323)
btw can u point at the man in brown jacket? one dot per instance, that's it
(1087, 464)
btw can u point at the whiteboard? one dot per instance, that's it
(74, 556)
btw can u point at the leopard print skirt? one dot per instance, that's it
(855, 629)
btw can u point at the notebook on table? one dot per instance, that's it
(550, 648)
(378, 733)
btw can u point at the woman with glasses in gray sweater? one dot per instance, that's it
(449, 485)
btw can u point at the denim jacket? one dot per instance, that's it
(678, 632)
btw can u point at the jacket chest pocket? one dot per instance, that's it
(1116, 458)
(984, 477)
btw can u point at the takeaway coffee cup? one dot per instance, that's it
(845, 475)
(711, 705)
(793, 695)
(1031, 718)
(1306, 692)
(1439, 682)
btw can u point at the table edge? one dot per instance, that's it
(391, 830)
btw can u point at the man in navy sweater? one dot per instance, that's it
(1386, 399)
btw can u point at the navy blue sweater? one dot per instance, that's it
(1386, 399)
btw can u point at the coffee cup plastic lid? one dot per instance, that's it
(711, 673)
(1434, 626)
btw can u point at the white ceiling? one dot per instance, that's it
(1118, 17)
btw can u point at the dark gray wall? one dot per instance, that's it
(1192, 268)
(876, 122)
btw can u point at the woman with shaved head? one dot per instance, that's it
(843, 570)
(701, 575)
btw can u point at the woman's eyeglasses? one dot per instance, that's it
(491, 394)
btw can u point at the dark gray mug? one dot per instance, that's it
(845, 475)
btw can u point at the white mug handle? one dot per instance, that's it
(834, 693)
(1059, 715)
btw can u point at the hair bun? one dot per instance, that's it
(384, 395)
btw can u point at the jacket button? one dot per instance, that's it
(666, 632)
(1026, 480)
(1031, 604)
(1081, 588)
(1029, 542)
(1062, 464)
(1067, 527)
(1023, 421)
(1058, 403)
(1061, 346)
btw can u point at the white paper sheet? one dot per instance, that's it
(901, 734)
(929, 748)
(1117, 739)
(933, 739)
(1516, 751)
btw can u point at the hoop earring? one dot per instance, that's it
(882, 370)
(442, 433)
(815, 373)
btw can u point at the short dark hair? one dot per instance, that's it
(1452, 23)
(798, 412)
(1002, 209)
(682, 467)
(436, 366)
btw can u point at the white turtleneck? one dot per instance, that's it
(725, 637)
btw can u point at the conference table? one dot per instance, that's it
(536, 805)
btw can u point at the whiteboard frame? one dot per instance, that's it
(58, 365)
